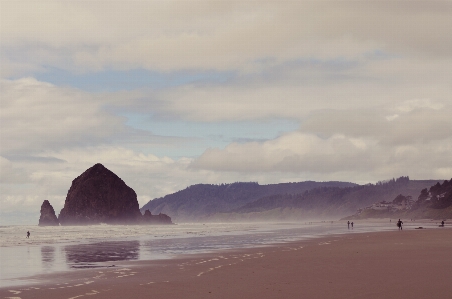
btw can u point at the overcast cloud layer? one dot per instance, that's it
(171, 93)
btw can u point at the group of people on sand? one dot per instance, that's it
(348, 224)
(399, 224)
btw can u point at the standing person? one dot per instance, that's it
(28, 234)
(399, 224)
(348, 224)
(442, 223)
(352, 224)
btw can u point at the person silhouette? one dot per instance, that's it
(399, 224)
(28, 234)
(348, 224)
(352, 224)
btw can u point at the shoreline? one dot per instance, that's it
(16, 237)
(407, 264)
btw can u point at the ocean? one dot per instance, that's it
(71, 248)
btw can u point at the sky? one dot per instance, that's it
(167, 94)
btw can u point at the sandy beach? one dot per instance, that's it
(396, 264)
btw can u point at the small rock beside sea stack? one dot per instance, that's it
(148, 218)
(48, 217)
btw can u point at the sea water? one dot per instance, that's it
(68, 248)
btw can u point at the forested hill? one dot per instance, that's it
(336, 202)
(439, 196)
(287, 201)
(201, 201)
(434, 202)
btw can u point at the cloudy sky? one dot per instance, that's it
(172, 93)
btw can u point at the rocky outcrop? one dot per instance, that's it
(100, 196)
(48, 217)
(148, 218)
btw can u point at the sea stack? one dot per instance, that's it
(48, 217)
(100, 196)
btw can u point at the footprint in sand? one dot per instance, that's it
(93, 292)
(15, 292)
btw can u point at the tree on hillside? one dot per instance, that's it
(423, 196)
(401, 198)
(441, 195)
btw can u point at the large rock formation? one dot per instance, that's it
(48, 217)
(148, 218)
(100, 196)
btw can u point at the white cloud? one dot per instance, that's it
(410, 105)
(174, 35)
(391, 117)
(294, 90)
(37, 116)
(338, 156)
(421, 125)
(294, 152)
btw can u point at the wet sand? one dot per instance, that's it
(398, 264)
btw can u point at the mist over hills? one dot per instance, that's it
(202, 201)
(286, 201)
(434, 202)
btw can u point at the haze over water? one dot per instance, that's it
(52, 249)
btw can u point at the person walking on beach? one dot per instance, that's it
(28, 234)
(399, 224)
(348, 224)
(352, 224)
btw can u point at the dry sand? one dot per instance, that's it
(398, 264)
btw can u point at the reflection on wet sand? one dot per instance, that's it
(89, 255)
(47, 256)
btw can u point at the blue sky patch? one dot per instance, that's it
(112, 80)
(215, 134)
